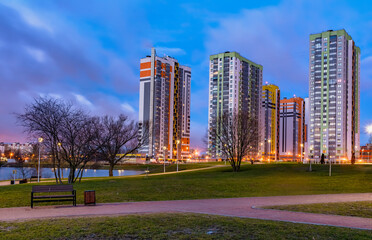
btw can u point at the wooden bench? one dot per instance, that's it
(33, 177)
(48, 197)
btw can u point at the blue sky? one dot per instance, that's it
(89, 51)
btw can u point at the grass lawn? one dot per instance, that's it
(355, 209)
(253, 180)
(159, 168)
(172, 226)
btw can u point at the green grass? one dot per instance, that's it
(172, 226)
(159, 168)
(355, 209)
(253, 180)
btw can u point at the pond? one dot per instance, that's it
(6, 173)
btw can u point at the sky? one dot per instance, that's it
(88, 51)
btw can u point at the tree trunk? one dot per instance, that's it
(111, 170)
(71, 175)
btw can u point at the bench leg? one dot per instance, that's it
(74, 200)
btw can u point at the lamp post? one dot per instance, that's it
(40, 140)
(164, 148)
(302, 146)
(59, 146)
(178, 143)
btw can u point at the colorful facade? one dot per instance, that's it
(165, 106)
(269, 130)
(292, 132)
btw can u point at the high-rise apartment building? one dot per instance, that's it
(164, 106)
(234, 85)
(269, 130)
(334, 79)
(292, 129)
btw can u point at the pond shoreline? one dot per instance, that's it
(6, 173)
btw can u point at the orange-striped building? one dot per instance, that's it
(292, 129)
(165, 105)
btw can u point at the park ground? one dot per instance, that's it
(220, 182)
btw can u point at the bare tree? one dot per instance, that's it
(43, 119)
(77, 142)
(236, 137)
(68, 133)
(119, 137)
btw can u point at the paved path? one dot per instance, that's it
(236, 207)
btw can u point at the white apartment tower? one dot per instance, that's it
(334, 86)
(235, 84)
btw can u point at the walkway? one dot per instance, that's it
(235, 207)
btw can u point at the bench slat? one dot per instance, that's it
(52, 188)
(54, 196)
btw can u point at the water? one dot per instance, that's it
(6, 173)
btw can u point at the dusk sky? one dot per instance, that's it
(89, 51)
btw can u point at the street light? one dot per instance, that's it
(164, 148)
(59, 146)
(302, 146)
(38, 169)
(178, 143)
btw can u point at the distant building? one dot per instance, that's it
(366, 153)
(269, 130)
(234, 85)
(23, 148)
(292, 129)
(164, 106)
(334, 96)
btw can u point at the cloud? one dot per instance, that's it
(29, 16)
(127, 107)
(66, 64)
(170, 51)
(36, 53)
(82, 100)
